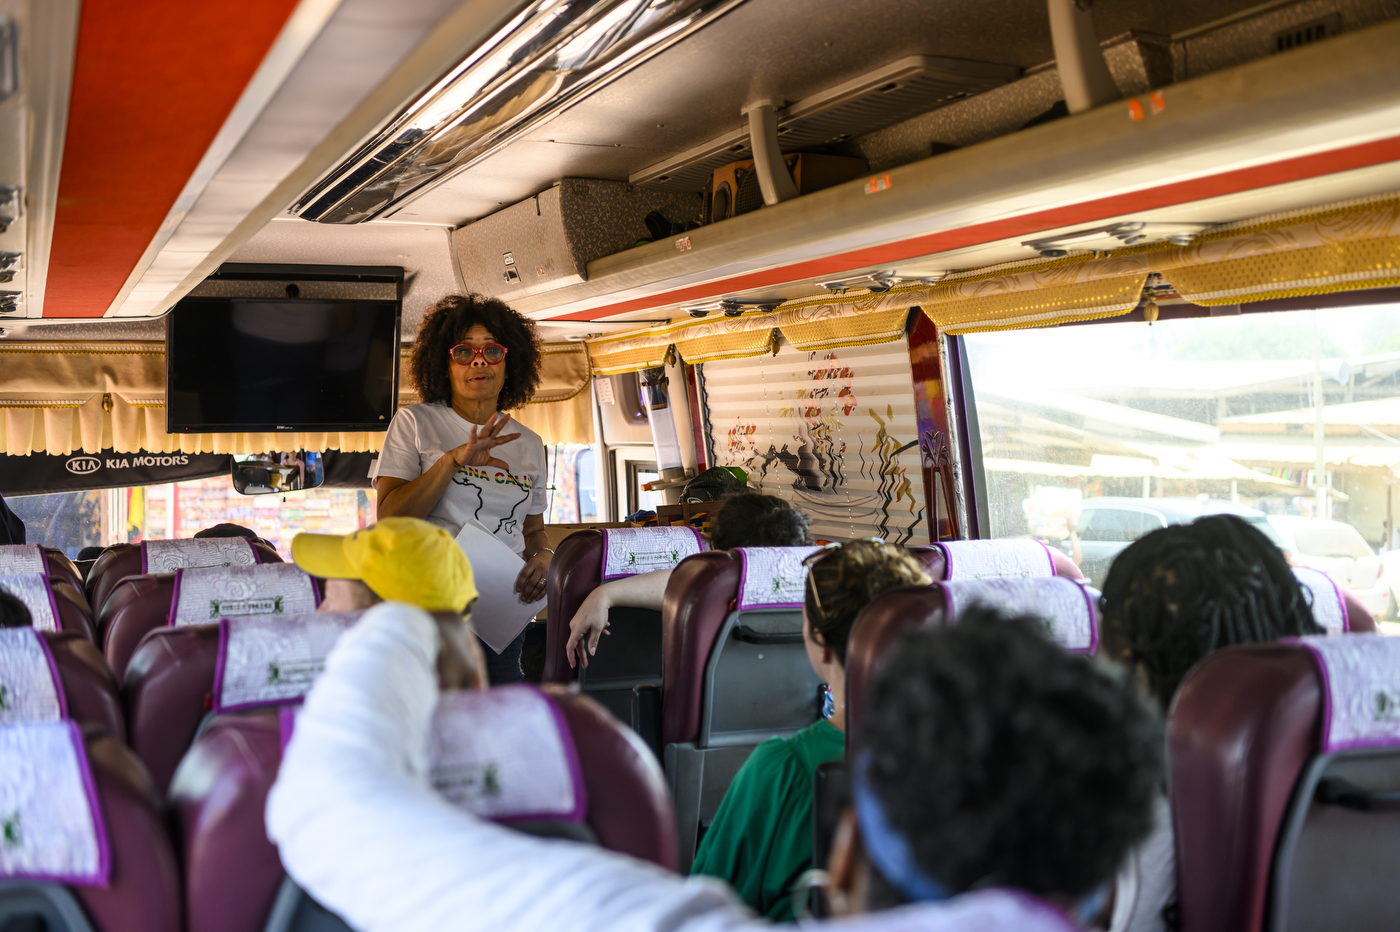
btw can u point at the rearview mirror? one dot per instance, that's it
(275, 473)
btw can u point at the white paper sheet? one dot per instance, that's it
(499, 614)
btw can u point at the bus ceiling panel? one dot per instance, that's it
(1297, 117)
(421, 251)
(326, 63)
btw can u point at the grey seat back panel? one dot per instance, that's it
(759, 682)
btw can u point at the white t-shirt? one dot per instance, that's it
(496, 499)
(1147, 879)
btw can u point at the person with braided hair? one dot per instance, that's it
(1172, 598)
(761, 837)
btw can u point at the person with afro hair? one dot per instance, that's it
(458, 456)
(1172, 598)
(748, 519)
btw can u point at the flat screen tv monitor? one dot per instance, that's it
(267, 364)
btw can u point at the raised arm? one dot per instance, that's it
(416, 498)
(360, 829)
(590, 622)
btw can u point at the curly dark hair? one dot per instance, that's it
(1178, 594)
(847, 579)
(1009, 761)
(446, 323)
(752, 519)
(13, 612)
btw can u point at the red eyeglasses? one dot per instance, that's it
(464, 354)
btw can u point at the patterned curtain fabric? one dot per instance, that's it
(61, 398)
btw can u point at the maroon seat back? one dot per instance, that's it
(877, 627)
(166, 692)
(698, 599)
(123, 560)
(143, 891)
(136, 606)
(89, 688)
(574, 572)
(232, 872)
(60, 567)
(111, 566)
(1244, 740)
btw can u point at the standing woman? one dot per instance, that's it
(456, 457)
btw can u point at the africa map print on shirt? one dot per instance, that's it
(503, 489)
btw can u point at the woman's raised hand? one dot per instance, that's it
(477, 450)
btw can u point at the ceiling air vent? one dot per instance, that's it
(880, 98)
(1307, 33)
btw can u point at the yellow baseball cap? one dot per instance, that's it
(400, 559)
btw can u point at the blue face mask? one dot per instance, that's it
(828, 702)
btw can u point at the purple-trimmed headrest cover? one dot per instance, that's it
(51, 826)
(29, 688)
(772, 577)
(1361, 689)
(631, 551)
(1016, 558)
(206, 594)
(504, 754)
(22, 558)
(167, 556)
(273, 660)
(34, 591)
(1066, 607)
(1329, 608)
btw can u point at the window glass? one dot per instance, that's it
(572, 496)
(73, 520)
(1086, 431)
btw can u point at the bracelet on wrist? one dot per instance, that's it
(549, 550)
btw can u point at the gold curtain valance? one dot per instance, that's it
(822, 323)
(62, 398)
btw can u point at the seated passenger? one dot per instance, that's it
(761, 837)
(396, 560)
(13, 612)
(749, 519)
(1001, 783)
(1171, 599)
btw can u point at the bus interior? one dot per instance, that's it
(929, 270)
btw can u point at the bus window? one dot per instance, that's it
(584, 481)
(1094, 435)
(68, 521)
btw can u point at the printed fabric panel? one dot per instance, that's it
(34, 591)
(51, 826)
(772, 577)
(22, 559)
(203, 595)
(271, 660)
(632, 551)
(167, 556)
(1361, 676)
(1014, 558)
(1329, 609)
(29, 690)
(1063, 605)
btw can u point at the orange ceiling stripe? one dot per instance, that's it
(153, 83)
(1183, 192)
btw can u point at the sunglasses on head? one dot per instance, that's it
(464, 354)
(816, 556)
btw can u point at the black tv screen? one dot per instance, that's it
(261, 364)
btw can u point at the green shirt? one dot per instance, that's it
(761, 838)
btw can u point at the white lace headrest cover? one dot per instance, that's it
(631, 551)
(506, 754)
(34, 591)
(1329, 609)
(1017, 557)
(271, 659)
(51, 826)
(167, 556)
(1064, 605)
(28, 679)
(205, 594)
(1361, 677)
(22, 558)
(772, 577)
